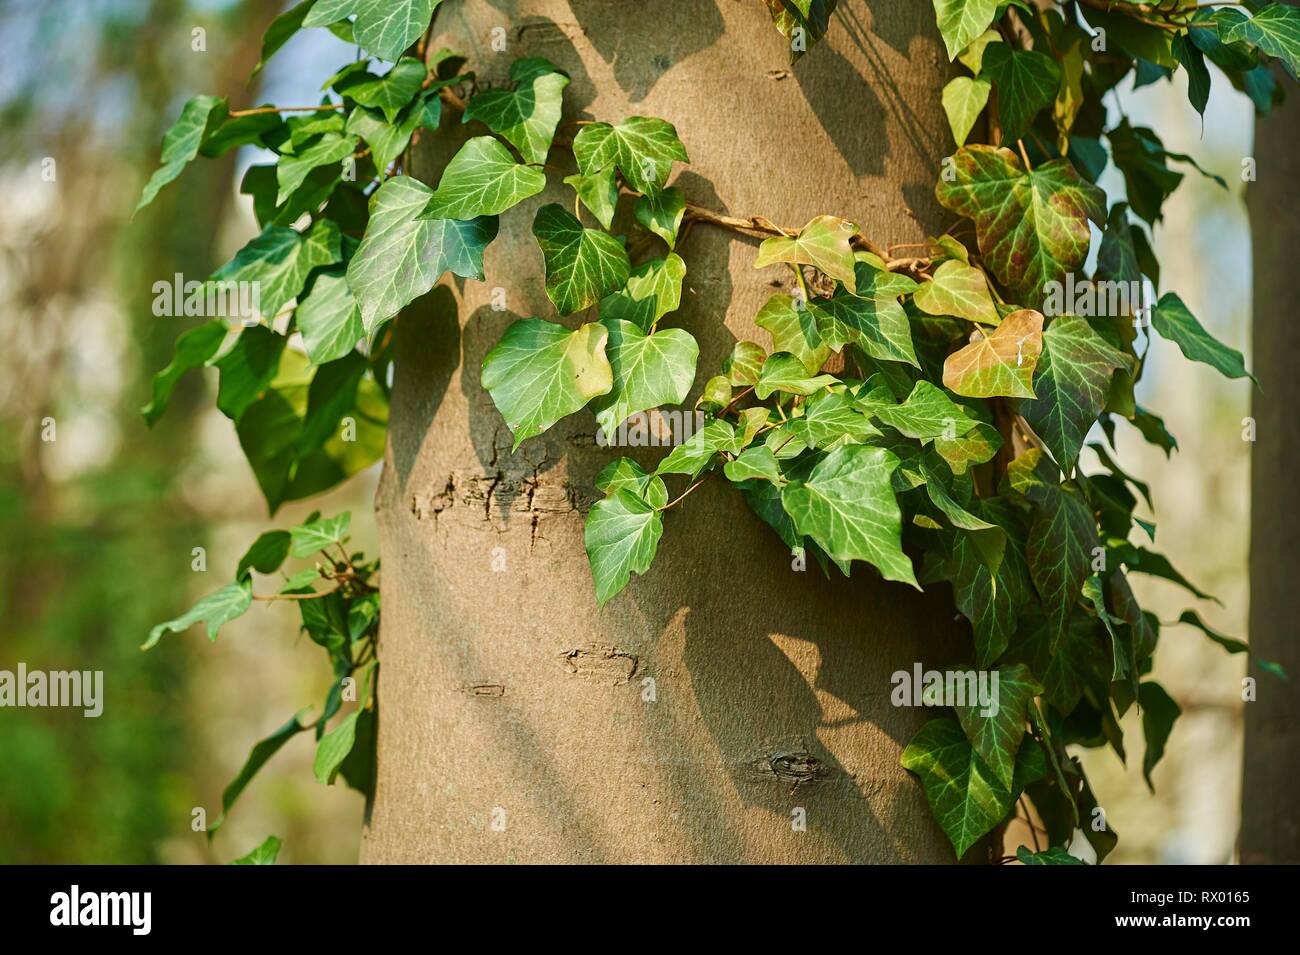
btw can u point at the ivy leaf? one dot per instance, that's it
(582, 265)
(876, 323)
(990, 598)
(847, 505)
(527, 115)
(1032, 226)
(695, 454)
(642, 148)
(1027, 81)
(1001, 362)
(964, 793)
(961, 22)
(540, 372)
(193, 349)
(291, 172)
(964, 98)
(1063, 665)
(279, 261)
(281, 29)
(215, 610)
(328, 317)
(1060, 551)
(745, 363)
(831, 418)
(402, 256)
(794, 330)
(382, 27)
(648, 371)
(307, 539)
(266, 554)
(957, 289)
(182, 141)
(823, 243)
(786, 373)
(1175, 322)
(652, 291)
(1071, 383)
(389, 93)
(247, 369)
(661, 214)
(1198, 75)
(626, 474)
(264, 854)
(1275, 30)
(621, 536)
(927, 414)
(388, 140)
(995, 737)
(598, 192)
(1159, 711)
(1056, 855)
(482, 179)
(758, 464)
(257, 758)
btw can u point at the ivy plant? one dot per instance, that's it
(947, 450)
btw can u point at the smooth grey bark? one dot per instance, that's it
(1270, 828)
(689, 719)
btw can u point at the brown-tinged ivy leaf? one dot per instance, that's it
(957, 289)
(1031, 226)
(1000, 363)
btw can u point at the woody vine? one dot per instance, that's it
(945, 450)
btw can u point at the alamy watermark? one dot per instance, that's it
(75, 688)
(653, 429)
(1097, 299)
(921, 687)
(210, 299)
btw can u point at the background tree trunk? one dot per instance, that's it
(689, 719)
(1270, 828)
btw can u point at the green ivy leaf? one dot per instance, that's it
(1001, 362)
(1026, 80)
(281, 29)
(247, 369)
(642, 148)
(540, 372)
(181, 142)
(527, 115)
(758, 464)
(1159, 711)
(964, 98)
(995, 737)
(831, 418)
(389, 93)
(877, 323)
(648, 371)
(661, 213)
(696, 453)
(1276, 30)
(745, 363)
(215, 610)
(266, 554)
(965, 795)
(957, 289)
(624, 474)
(786, 373)
(1056, 855)
(1032, 226)
(264, 854)
(598, 192)
(652, 291)
(328, 317)
(257, 758)
(1071, 382)
(279, 261)
(193, 349)
(382, 27)
(846, 504)
(402, 256)
(823, 243)
(307, 539)
(482, 179)
(794, 330)
(291, 172)
(582, 265)
(621, 536)
(961, 22)
(388, 140)
(1060, 551)
(1175, 322)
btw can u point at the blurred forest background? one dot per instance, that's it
(99, 525)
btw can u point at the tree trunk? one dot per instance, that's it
(1270, 827)
(722, 692)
